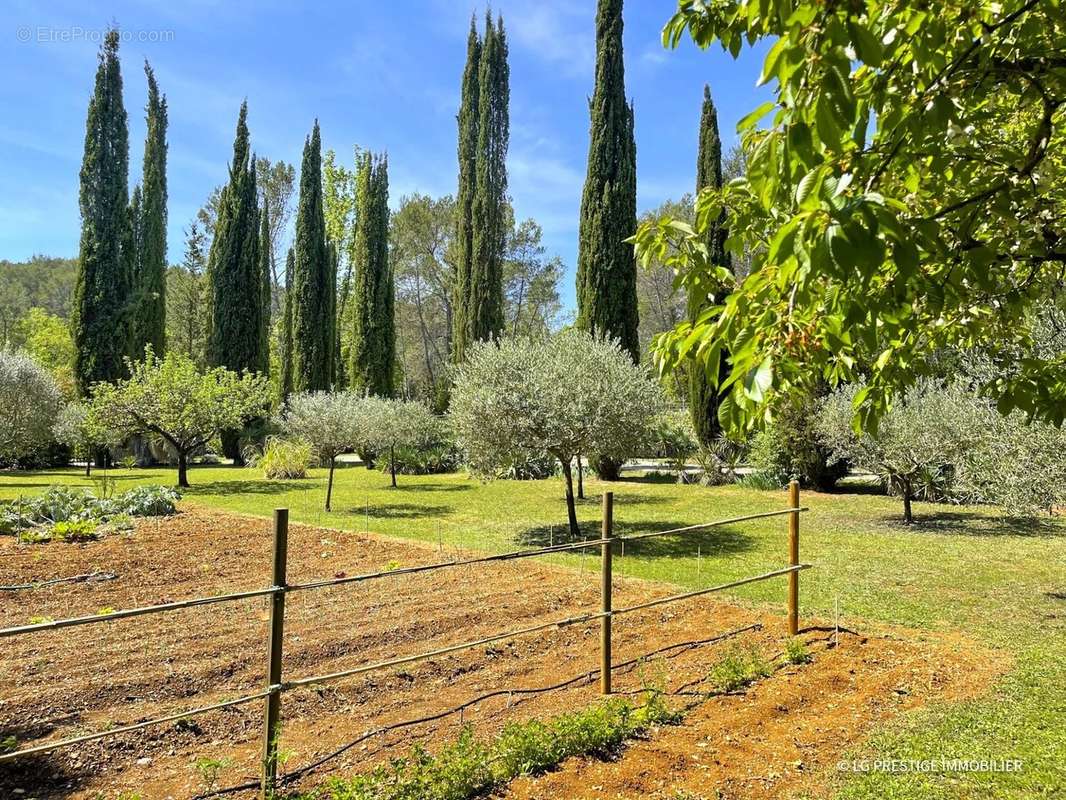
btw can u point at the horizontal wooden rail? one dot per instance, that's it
(674, 598)
(136, 612)
(89, 737)
(509, 556)
(715, 524)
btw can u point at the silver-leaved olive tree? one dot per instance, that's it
(331, 422)
(29, 402)
(172, 399)
(566, 395)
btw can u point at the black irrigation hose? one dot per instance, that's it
(585, 676)
(87, 577)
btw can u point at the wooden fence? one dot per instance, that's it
(275, 684)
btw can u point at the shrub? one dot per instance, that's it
(29, 403)
(789, 448)
(282, 459)
(672, 437)
(739, 667)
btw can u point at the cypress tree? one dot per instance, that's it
(150, 285)
(266, 258)
(606, 266)
(703, 397)
(234, 266)
(285, 379)
(468, 142)
(312, 339)
(484, 312)
(100, 314)
(373, 351)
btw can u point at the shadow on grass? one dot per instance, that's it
(259, 486)
(971, 523)
(400, 511)
(713, 542)
(429, 487)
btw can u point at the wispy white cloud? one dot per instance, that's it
(556, 31)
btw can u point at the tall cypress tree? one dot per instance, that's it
(484, 313)
(606, 266)
(468, 142)
(150, 284)
(373, 351)
(266, 259)
(703, 397)
(100, 314)
(312, 341)
(234, 267)
(285, 378)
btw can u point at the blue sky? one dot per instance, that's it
(383, 75)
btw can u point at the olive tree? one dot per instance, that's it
(172, 399)
(565, 395)
(29, 403)
(918, 446)
(331, 422)
(392, 425)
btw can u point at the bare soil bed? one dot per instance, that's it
(780, 737)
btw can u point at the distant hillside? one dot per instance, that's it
(42, 281)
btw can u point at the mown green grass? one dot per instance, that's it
(962, 569)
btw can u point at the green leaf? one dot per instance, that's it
(752, 119)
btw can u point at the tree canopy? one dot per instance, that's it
(907, 195)
(172, 399)
(567, 395)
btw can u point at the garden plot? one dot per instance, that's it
(779, 737)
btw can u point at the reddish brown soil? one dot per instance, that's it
(778, 738)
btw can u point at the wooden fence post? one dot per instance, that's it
(793, 557)
(272, 711)
(605, 621)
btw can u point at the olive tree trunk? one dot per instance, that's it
(571, 510)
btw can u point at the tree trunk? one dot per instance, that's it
(329, 484)
(88, 466)
(183, 466)
(571, 511)
(580, 479)
(392, 465)
(907, 516)
(609, 469)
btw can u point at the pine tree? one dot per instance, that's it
(149, 278)
(606, 267)
(312, 340)
(234, 267)
(266, 260)
(484, 312)
(703, 397)
(468, 142)
(100, 314)
(373, 350)
(285, 378)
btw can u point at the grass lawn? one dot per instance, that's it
(998, 582)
